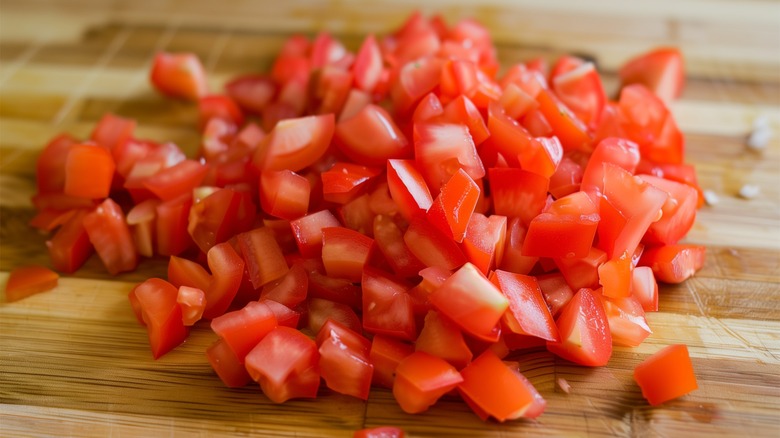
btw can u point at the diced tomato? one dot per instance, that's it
(580, 89)
(567, 178)
(142, 222)
(371, 137)
(89, 170)
(308, 231)
(485, 241)
(243, 329)
(284, 194)
(368, 65)
(192, 302)
(528, 313)
(469, 299)
(171, 231)
(666, 375)
(431, 246)
(112, 131)
(618, 151)
(109, 234)
(387, 308)
(70, 247)
(453, 207)
(227, 269)
(321, 311)
(584, 331)
(518, 193)
(227, 366)
(174, 181)
(429, 108)
(679, 212)
(421, 379)
(565, 229)
(645, 119)
(344, 252)
(627, 322)
(493, 389)
(284, 315)
(645, 288)
(566, 126)
(24, 281)
(251, 92)
(290, 289)
(441, 149)
(294, 144)
(660, 70)
(408, 188)
(385, 354)
(156, 300)
(342, 182)
(262, 255)
(285, 364)
(219, 216)
(389, 240)
(463, 111)
(414, 81)
(615, 276)
(179, 75)
(442, 338)
(556, 291)
(344, 360)
(218, 106)
(584, 271)
(673, 263)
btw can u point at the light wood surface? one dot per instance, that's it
(73, 362)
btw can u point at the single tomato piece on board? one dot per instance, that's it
(29, 280)
(666, 375)
(179, 75)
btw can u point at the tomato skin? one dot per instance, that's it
(565, 125)
(453, 207)
(440, 149)
(109, 234)
(70, 247)
(469, 299)
(179, 75)
(371, 137)
(380, 432)
(285, 364)
(565, 229)
(431, 246)
(227, 269)
(580, 89)
(284, 194)
(156, 300)
(528, 313)
(679, 212)
(645, 288)
(251, 92)
(495, 390)
(89, 170)
(584, 331)
(177, 180)
(171, 227)
(389, 241)
(344, 181)
(308, 231)
(387, 307)
(408, 188)
(242, 329)
(666, 375)
(219, 216)
(421, 379)
(24, 281)
(673, 263)
(295, 143)
(485, 241)
(112, 131)
(344, 360)
(192, 302)
(645, 119)
(225, 363)
(290, 289)
(627, 322)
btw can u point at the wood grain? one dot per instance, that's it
(73, 362)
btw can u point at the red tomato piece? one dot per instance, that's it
(49, 219)
(645, 288)
(142, 221)
(645, 119)
(308, 231)
(629, 206)
(380, 432)
(290, 289)
(584, 271)
(179, 75)
(344, 360)
(469, 299)
(89, 170)
(385, 354)
(112, 131)
(262, 255)
(227, 366)
(441, 149)
(171, 230)
(673, 263)
(177, 180)
(556, 291)
(443, 338)
(666, 375)
(156, 300)
(408, 188)
(496, 390)
(251, 92)
(565, 125)
(431, 246)
(192, 302)
(342, 182)
(371, 137)
(580, 89)
(243, 329)
(218, 106)
(615, 277)
(70, 247)
(485, 241)
(284, 315)
(513, 259)
(661, 70)
(389, 239)
(429, 108)
(368, 65)
(679, 212)
(321, 311)
(109, 234)
(518, 193)
(24, 281)
(627, 322)
(295, 143)
(516, 102)
(565, 229)
(285, 364)
(567, 178)
(421, 379)
(227, 269)
(584, 331)
(453, 207)
(528, 313)
(463, 111)
(414, 81)
(219, 216)
(284, 194)
(50, 167)
(618, 151)
(387, 308)
(344, 252)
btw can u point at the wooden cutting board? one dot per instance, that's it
(73, 361)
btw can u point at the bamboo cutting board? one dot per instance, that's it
(73, 361)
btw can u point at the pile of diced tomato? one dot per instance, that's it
(408, 215)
